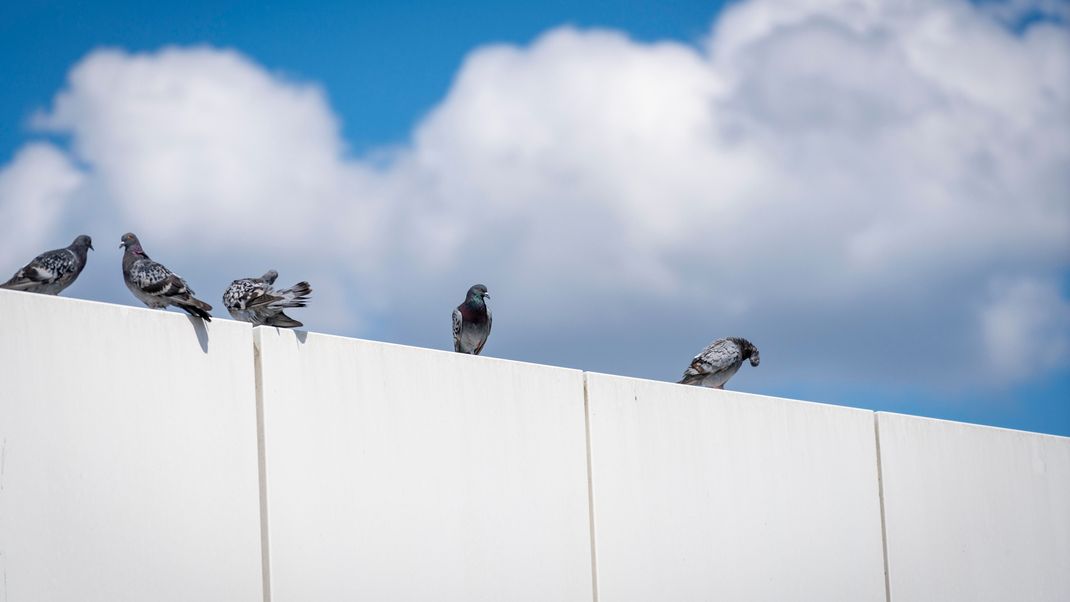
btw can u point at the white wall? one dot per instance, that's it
(397, 473)
(974, 513)
(128, 467)
(702, 494)
(131, 469)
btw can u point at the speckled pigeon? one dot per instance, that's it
(719, 361)
(472, 321)
(155, 285)
(52, 271)
(254, 300)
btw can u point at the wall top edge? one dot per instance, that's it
(731, 392)
(302, 335)
(166, 314)
(969, 425)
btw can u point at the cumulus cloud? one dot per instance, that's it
(1026, 325)
(203, 145)
(860, 187)
(35, 188)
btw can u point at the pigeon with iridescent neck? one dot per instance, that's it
(471, 322)
(719, 361)
(52, 271)
(254, 300)
(155, 285)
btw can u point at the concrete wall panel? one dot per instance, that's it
(974, 513)
(129, 471)
(397, 473)
(712, 495)
(128, 465)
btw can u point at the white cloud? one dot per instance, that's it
(840, 181)
(202, 145)
(35, 188)
(1026, 328)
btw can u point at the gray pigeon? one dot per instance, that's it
(254, 300)
(471, 322)
(52, 271)
(719, 361)
(155, 285)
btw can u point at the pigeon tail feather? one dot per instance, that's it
(195, 307)
(18, 282)
(295, 296)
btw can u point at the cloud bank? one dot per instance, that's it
(876, 193)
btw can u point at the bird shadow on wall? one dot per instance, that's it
(201, 330)
(300, 335)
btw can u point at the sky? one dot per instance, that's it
(876, 193)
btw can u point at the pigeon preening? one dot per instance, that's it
(155, 285)
(719, 361)
(254, 300)
(471, 322)
(52, 271)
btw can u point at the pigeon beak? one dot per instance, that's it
(486, 295)
(120, 245)
(91, 247)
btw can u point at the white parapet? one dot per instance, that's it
(398, 473)
(702, 494)
(146, 455)
(128, 465)
(974, 513)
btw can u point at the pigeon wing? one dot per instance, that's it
(242, 293)
(234, 296)
(31, 275)
(154, 279)
(257, 294)
(262, 300)
(717, 356)
(720, 355)
(59, 263)
(457, 320)
(46, 268)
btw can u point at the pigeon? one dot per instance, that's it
(719, 361)
(253, 300)
(52, 271)
(471, 322)
(155, 285)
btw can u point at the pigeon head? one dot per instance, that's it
(748, 350)
(477, 294)
(83, 241)
(270, 276)
(128, 240)
(132, 245)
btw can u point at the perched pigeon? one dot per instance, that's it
(155, 285)
(52, 271)
(719, 361)
(253, 300)
(471, 322)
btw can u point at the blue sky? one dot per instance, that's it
(876, 197)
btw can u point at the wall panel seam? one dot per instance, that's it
(590, 491)
(880, 494)
(261, 455)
